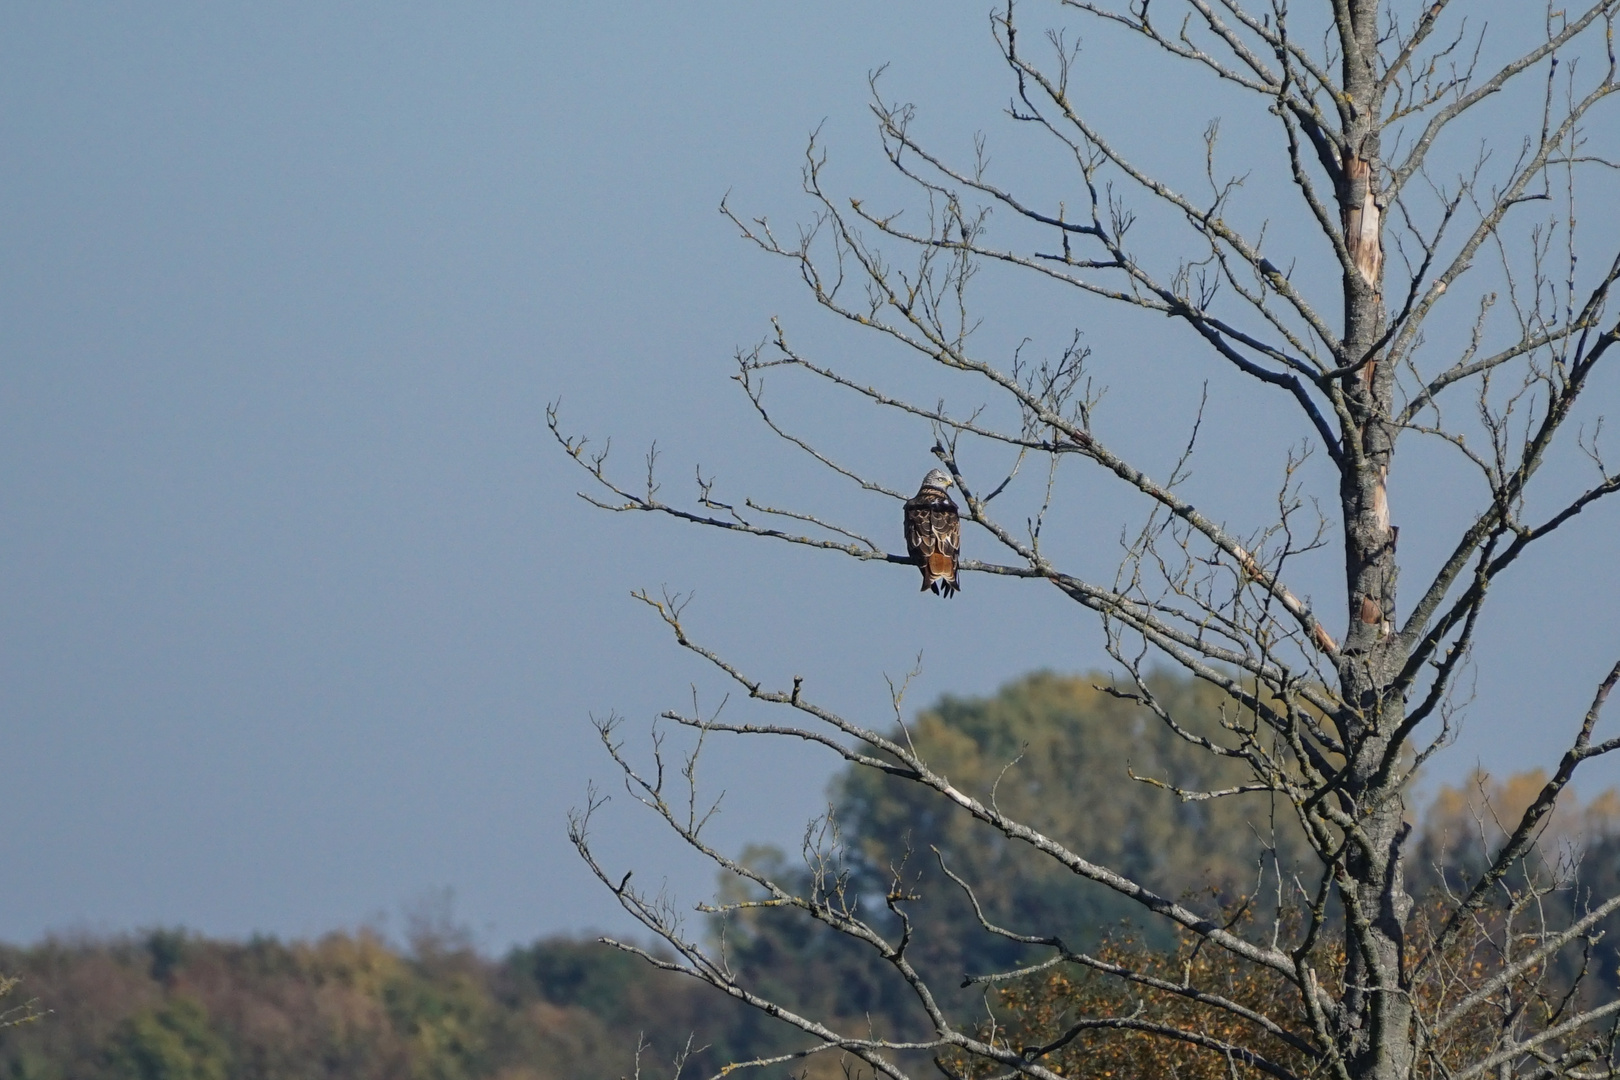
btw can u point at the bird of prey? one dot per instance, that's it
(934, 534)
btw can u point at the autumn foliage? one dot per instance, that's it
(168, 1005)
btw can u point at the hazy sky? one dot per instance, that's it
(300, 619)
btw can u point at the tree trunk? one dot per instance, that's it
(1376, 1018)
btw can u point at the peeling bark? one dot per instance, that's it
(1376, 1023)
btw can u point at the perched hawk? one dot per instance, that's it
(934, 533)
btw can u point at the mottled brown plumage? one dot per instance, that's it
(934, 534)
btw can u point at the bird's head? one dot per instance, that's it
(937, 478)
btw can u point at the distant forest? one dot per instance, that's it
(169, 1005)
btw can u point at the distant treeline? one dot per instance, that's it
(168, 1005)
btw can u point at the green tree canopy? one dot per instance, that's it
(171, 1042)
(1058, 752)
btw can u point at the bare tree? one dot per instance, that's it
(1331, 722)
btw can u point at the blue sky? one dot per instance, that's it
(300, 619)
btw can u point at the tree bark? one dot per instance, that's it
(1376, 1017)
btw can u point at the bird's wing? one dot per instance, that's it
(934, 534)
(921, 536)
